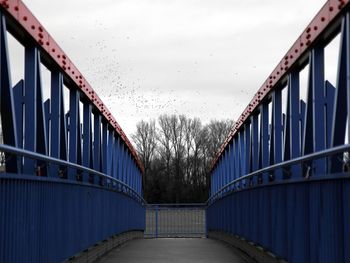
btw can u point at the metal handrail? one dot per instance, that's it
(38, 156)
(305, 158)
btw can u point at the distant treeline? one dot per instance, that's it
(177, 153)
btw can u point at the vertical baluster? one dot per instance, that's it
(264, 139)
(254, 146)
(97, 142)
(87, 139)
(30, 86)
(110, 152)
(56, 129)
(276, 131)
(74, 133)
(104, 145)
(41, 139)
(319, 92)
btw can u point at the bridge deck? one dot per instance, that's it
(189, 250)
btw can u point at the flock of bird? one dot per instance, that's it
(130, 93)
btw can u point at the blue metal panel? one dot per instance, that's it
(279, 227)
(345, 208)
(49, 221)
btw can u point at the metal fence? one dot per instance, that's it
(69, 176)
(175, 220)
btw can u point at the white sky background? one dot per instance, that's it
(201, 58)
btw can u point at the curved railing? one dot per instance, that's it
(69, 176)
(50, 219)
(47, 161)
(303, 164)
(281, 179)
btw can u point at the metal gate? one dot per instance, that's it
(175, 220)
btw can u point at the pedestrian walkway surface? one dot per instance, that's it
(179, 250)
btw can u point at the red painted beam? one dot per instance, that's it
(18, 10)
(315, 28)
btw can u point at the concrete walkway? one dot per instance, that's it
(179, 250)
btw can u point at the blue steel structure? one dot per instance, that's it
(66, 182)
(281, 179)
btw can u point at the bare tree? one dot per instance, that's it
(217, 133)
(177, 153)
(146, 143)
(164, 138)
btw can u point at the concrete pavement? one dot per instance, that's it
(179, 250)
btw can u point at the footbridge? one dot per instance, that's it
(71, 181)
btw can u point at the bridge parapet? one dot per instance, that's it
(281, 179)
(69, 176)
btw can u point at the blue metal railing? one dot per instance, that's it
(50, 161)
(69, 177)
(295, 218)
(50, 219)
(252, 180)
(281, 179)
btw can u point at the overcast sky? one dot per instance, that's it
(202, 58)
